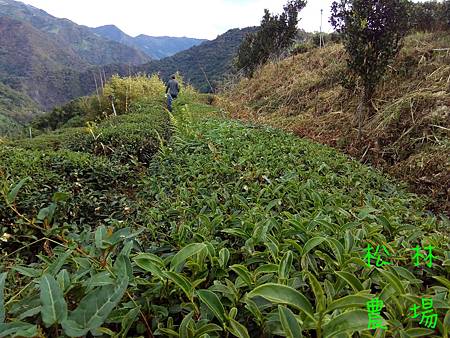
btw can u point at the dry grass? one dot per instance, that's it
(408, 136)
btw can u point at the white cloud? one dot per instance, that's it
(195, 18)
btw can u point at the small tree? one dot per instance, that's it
(447, 12)
(372, 32)
(276, 33)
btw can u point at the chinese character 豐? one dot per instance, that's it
(374, 307)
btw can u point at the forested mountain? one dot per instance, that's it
(156, 47)
(91, 48)
(42, 59)
(211, 60)
(46, 61)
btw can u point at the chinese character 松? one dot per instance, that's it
(377, 255)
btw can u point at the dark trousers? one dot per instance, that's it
(170, 99)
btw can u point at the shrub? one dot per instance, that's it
(126, 91)
(95, 187)
(277, 32)
(429, 16)
(372, 32)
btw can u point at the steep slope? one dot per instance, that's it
(227, 218)
(211, 61)
(15, 105)
(157, 47)
(44, 58)
(92, 48)
(409, 136)
(29, 59)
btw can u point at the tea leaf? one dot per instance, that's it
(2, 299)
(54, 307)
(348, 322)
(289, 323)
(282, 294)
(188, 251)
(214, 304)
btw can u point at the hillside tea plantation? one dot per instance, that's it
(192, 225)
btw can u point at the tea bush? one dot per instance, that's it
(242, 231)
(124, 138)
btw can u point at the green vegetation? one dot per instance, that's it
(430, 16)
(9, 127)
(314, 95)
(230, 230)
(372, 32)
(15, 110)
(204, 66)
(274, 35)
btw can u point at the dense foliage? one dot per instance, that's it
(275, 34)
(430, 16)
(407, 136)
(372, 32)
(231, 230)
(204, 66)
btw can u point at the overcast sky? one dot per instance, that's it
(192, 18)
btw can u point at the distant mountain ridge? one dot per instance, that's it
(156, 47)
(91, 48)
(46, 61)
(205, 65)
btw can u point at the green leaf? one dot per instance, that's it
(54, 268)
(238, 329)
(393, 280)
(266, 268)
(128, 320)
(419, 332)
(213, 302)
(182, 282)
(337, 247)
(11, 197)
(285, 265)
(123, 267)
(18, 329)
(318, 293)
(243, 272)
(444, 281)
(185, 330)
(289, 323)
(54, 307)
(2, 296)
(224, 256)
(94, 309)
(446, 323)
(188, 251)
(351, 280)
(312, 243)
(282, 294)
(148, 263)
(60, 197)
(29, 272)
(207, 328)
(348, 322)
(349, 302)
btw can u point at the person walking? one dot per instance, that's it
(172, 91)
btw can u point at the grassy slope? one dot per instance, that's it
(408, 136)
(8, 127)
(259, 194)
